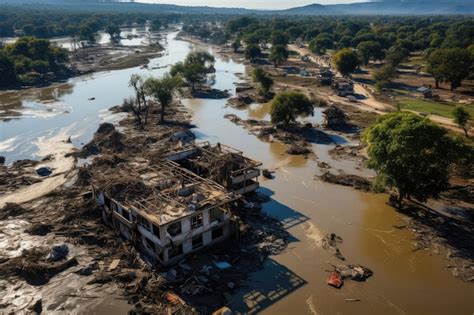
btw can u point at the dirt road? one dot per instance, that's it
(369, 99)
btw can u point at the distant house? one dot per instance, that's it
(427, 92)
(324, 76)
(343, 87)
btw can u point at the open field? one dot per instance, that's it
(431, 107)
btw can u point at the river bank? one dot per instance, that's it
(404, 280)
(452, 211)
(105, 55)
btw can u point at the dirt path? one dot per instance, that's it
(370, 100)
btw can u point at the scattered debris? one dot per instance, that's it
(44, 171)
(210, 93)
(268, 174)
(40, 229)
(297, 150)
(58, 252)
(114, 264)
(240, 101)
(351, 180)
(11, 210)
(335, 280)
(330, 242)
(184, 136)
(334, 117)
(222, 265)
(37, 308)
(354, 272)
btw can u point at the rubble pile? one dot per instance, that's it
(334, 117)
(240, 101)
(350, 180)
(298, 136)
(202, 283)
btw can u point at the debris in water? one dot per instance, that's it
(44, 171)
(223, 265)
(335, 280)
(58, 252)
(184, 136)
(268, 174)
(355, 272)
(298, 150)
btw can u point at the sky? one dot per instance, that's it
(251, 4)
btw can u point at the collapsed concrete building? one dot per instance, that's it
(166, 210)
(181, 204)
(220, 163)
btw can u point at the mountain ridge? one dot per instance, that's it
(387, 7)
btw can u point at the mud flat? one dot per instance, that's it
(289, 277)
(65, 213)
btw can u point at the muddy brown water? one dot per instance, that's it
(404, 281)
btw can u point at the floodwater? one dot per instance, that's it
(404, 281)
(130, 36)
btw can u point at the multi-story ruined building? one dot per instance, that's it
(220, 163)
(166, 210)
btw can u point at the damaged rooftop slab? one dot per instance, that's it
(162, 193)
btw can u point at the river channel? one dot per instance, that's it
(404, 281)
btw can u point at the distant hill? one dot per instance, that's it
(414, 7)
(386, 7)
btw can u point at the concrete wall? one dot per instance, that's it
(162, 243)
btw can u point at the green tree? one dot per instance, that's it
(396, 56)
(251, 39)
(7, 71)
(252, 51)
(278, 38)
(321, 43)
(452, 65)
(346, 61)
(295, 32)
(236, 45)
(87, 33)
(194, 68)
(264, 81)
(461, 117)
(163, 90)
(278, 54)
(287, 106)
(435, 67)
(370, 50)
(155, 25)
(384, 76)
(411, 154)
(113, 30)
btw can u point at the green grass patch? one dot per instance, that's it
(431, 107)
